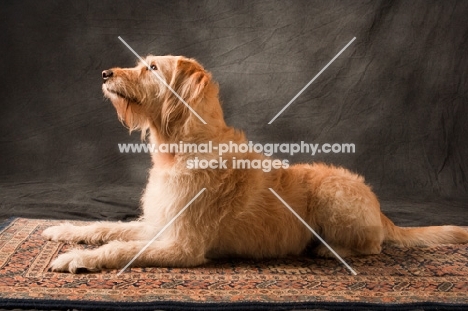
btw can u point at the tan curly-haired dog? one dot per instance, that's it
(237, 215)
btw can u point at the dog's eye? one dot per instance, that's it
(153, 67)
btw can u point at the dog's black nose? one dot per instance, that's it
(106, 74)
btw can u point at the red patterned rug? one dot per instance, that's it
(399, 278)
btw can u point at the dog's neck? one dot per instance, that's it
(211, 126)
(194, 131)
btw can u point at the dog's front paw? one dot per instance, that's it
(61, 233)
(74, 262)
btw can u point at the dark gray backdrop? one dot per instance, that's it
(399, 93)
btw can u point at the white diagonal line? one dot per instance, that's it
(313, 79)
(160, 232)
(315, 233)
(161, 79)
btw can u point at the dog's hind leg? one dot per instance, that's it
(100, 232)
(355, 241)
(118, 254)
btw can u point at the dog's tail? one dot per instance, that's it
(423, 236)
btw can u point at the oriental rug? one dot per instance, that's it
(399, 278)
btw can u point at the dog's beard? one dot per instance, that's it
(127, 109)
(110, 92)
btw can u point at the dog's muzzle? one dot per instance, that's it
(107, 74)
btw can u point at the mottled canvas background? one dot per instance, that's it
(399, 93)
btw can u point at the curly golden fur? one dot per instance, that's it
(237, 215)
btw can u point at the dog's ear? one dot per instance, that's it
(189, 82)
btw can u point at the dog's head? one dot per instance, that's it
(149, 95)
